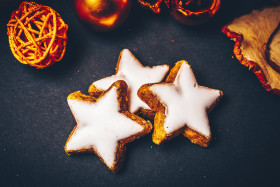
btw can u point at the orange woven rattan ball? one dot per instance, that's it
(37, 35)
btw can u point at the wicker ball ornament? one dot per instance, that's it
(37, 35)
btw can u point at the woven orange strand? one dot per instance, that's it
(37, 35)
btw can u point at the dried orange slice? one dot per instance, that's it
(257, 44)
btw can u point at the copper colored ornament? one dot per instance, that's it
(103, 15)
(189, 12)
(193, 12)
(154, 5)
(37, 35)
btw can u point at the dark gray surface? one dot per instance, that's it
(35, 119)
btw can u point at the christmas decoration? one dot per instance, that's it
(189, 12)
(103, 15)
(257, 37)
(37, 35)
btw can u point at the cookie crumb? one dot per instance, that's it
(172, 41)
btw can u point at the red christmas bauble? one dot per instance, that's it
(103, 15)
(189, 12)
(193, 12)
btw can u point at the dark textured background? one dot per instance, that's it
(35, 119)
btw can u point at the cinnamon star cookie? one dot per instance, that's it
(104, 125)
(181, 106)
(135, 75)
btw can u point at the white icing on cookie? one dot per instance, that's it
(135, 75)
(100, 125)
(186, 102)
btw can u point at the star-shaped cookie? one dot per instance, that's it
(135, 75)
(104, 125)
(181, 106)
